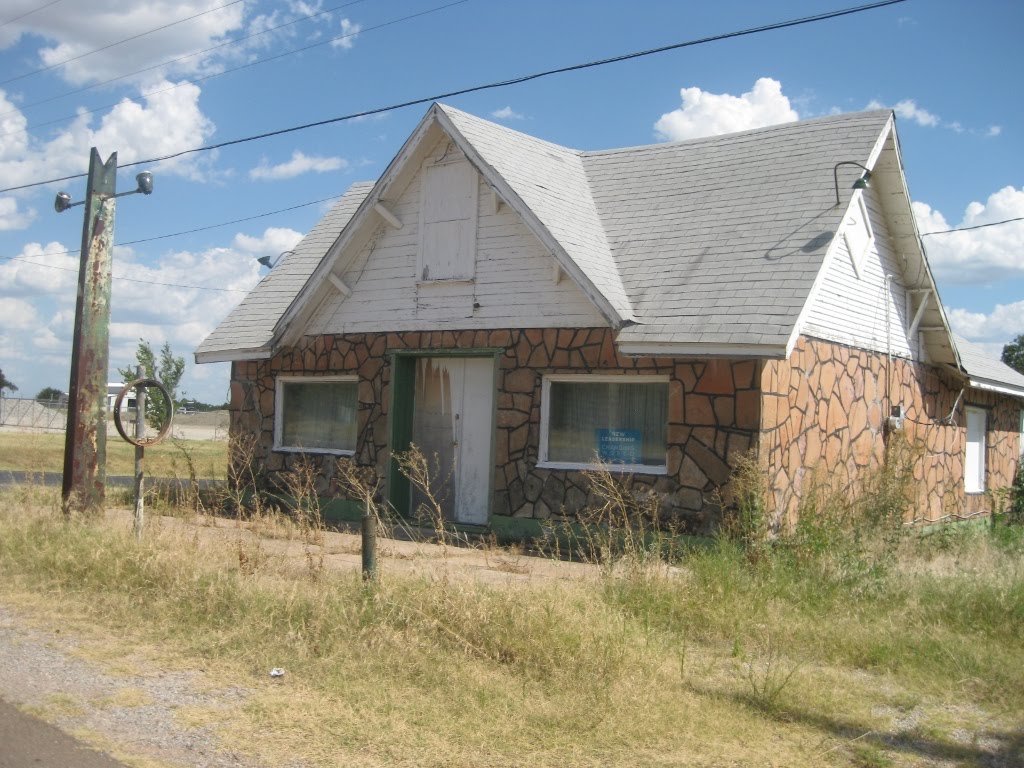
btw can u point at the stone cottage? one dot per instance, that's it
(523, 310)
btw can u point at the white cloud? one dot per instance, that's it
(13, 218)
(299, 164)
(273, 241)
(506, 113)
(70, 30)
(165, 123)
(18, 314)
(994, 130)
(977, 255)
(350, 31)
(708, 114)
(162, 308)
(40, 270)
(908, 110)
(993, 329)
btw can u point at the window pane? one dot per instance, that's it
(319, 414)
(620, 423)
(974, 459)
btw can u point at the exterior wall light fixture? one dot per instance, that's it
(862, 183)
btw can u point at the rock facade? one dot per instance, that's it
(714, 411)
(823, 422)
(816, 417)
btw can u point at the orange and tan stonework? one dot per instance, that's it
(823, 421)
(822, 410)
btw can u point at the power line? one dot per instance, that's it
(118, 42)
(187, 231)
(127, 279)
(489, 86)
(29, 13)
(247, 65)
(976, 226)
(172, 61)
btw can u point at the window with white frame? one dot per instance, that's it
(448, 216)
(316, 414)
(618, 420)
(974, 458)
(857, 233)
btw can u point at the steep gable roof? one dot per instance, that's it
(248, 330)
(719, 240)
(708, 246)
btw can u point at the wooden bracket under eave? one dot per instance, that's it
(387, 215)
(339, 284)
(556, 273)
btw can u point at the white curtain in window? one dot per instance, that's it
(622, 423)
(319, 415)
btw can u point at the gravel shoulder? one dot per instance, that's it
(130, 707)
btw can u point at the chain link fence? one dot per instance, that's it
(26, 413)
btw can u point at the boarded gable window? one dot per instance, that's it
(448, 213)
(316, 414)
(974, 459)
(618, 420)
(857, 233)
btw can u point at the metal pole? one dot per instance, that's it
(85, 444)
(369, 545)
(140, 432)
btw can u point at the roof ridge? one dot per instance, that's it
(750, 132)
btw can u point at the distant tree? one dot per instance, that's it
(49, 393)
(6, 384)
(167, 370)
(1013, 354)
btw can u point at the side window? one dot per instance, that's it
(974, 459)
(448, 218)
(316, 414)
(857, 233)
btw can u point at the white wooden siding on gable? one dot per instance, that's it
(856, 305)
(512, 285)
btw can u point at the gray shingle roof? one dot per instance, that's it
(249, 327)
(985, 371)
(709, 241)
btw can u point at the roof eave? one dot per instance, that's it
(232, 355)
(700, 349)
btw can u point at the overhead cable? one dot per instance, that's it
(29, 13)
(976, 226)
(169, 62)
(247, 65)
(488, 86)
(117, 43)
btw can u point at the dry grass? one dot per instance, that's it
(40, 452)
(717, 662)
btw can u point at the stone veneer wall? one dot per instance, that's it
(714, 411)
(823, 411)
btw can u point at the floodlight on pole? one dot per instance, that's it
(862, 183)
(144, 181)
(272, 261)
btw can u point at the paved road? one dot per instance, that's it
(15, 477)
(28, 742)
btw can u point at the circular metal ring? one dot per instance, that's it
(168, 405)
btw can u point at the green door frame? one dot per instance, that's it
(401, 406)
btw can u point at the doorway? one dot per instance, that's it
(452, 423)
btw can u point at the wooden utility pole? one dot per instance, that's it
(85, 445)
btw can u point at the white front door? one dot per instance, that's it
(453, 420)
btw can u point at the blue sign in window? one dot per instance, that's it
(620, 446)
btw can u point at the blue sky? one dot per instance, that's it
(950, 69)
